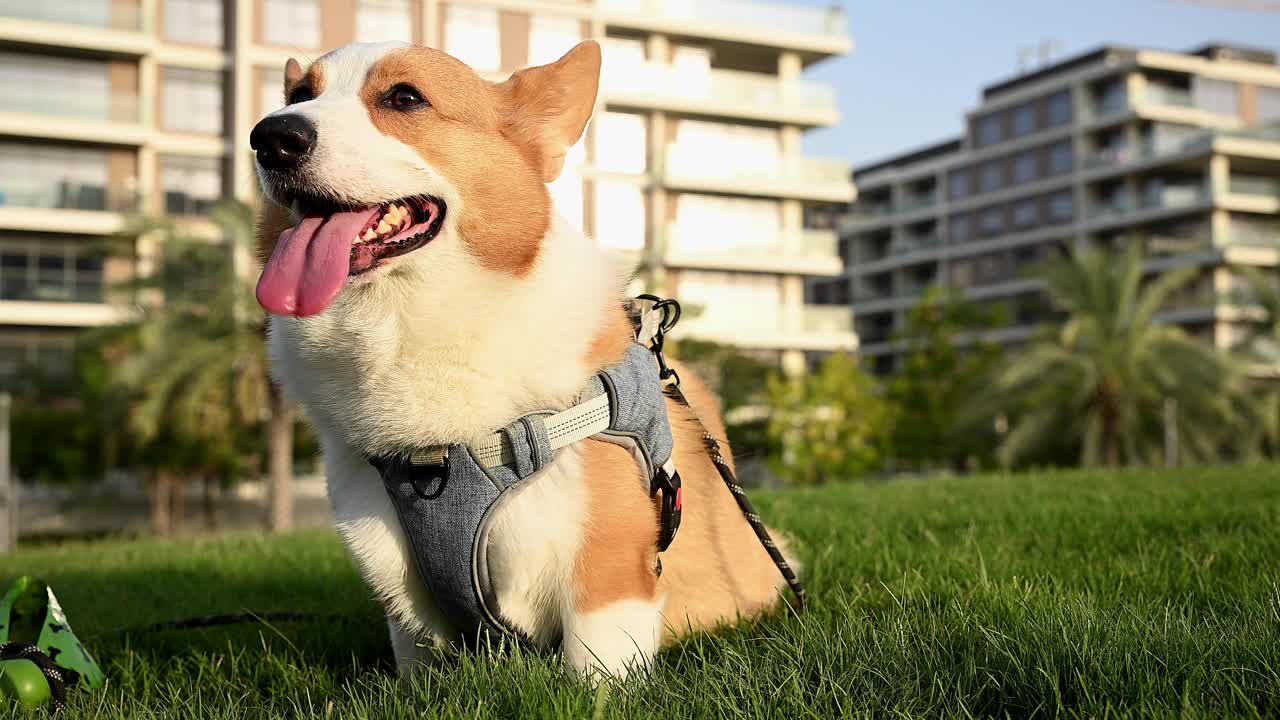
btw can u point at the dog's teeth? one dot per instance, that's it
(383, 227)
(369, 234)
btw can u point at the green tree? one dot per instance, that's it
(194, 361)
(1262, 348)
(939, 379)
(1102, 377)
(828, 425)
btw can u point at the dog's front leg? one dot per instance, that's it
(413, 651)
(613, 618)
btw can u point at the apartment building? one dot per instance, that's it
(1177, 151)
(693, 166)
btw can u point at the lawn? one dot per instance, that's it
(1139, 593)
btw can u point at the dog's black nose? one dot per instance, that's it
(283, 141)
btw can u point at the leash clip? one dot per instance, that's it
(670, 309)
(672, 504)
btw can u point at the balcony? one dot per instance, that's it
(817, 30)
(775, 327)
(912, 203)
(914, 243)
(807, 252)
(1168, 95)
(109, 14)
(113, 26)
(721, 93)
(41, 206)
(804, 178)
(57, 113)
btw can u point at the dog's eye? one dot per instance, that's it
(302, 93)
(403, 97)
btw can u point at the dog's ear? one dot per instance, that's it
(546, 108)
(292, 73)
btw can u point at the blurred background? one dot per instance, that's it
(998, 235)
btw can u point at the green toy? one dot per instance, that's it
(39, 654)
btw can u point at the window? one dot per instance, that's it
(621, 142)
(1059, 109)
(196, 22)
(991, 175)
(471, 35)
(49, 270)
(192, 185)
(1026, 213)
(742, 303)
(1024, 120)
(59, 86)
(270, 91)
(992, 221)
(551, 36)
(1062, 207)
(1026, 166)
(1216, 96)
(1060, 158)
(961, 272)
(43, 176)
(711, 149)
(383, 21)
(48, 351)
(989, 129)
(192, 100)
(715, 225)
(291, 23)
(960, 228)
(620, 215)
(958, 183)
(1268, 104)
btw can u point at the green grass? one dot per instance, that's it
(1078, 594)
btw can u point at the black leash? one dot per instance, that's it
(670, 316)
(52, 673)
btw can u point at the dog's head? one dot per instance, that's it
(386, 150)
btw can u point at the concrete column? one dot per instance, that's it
(243, 90)
(793, 362)
(657, 48)
(1135, 87)
(430, 32)
(147, 9)
(792, 304)
(792, 227)
(1219, 175)
(1220, 228)
(789, 70)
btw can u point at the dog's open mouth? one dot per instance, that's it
(314, 259)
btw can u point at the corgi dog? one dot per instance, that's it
(423, 291)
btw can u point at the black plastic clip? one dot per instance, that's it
(670, 316)
(672, 504)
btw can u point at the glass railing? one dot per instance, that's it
(64, 103)
(85, 287)
(761, 16)
(1265, 186)
(827, 318)
(912, 244)
(918, 202)
(695, 243)
(693, 163)
(720, 87)
(1110, 103)
(114, 14)
(63, 195)
(1174, 197)
(1167, 95)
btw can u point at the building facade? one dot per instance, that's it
(1177, 151)
(693, 165)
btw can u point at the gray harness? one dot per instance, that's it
(448, 497)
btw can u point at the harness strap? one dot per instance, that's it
(563, 428)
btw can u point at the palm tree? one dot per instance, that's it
(1263, 349)
(198, 367)
(1103, 377)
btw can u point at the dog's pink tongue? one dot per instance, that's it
(310, 264)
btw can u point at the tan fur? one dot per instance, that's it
(716, 570)
(524, 126)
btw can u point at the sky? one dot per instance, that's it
(919, 65)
